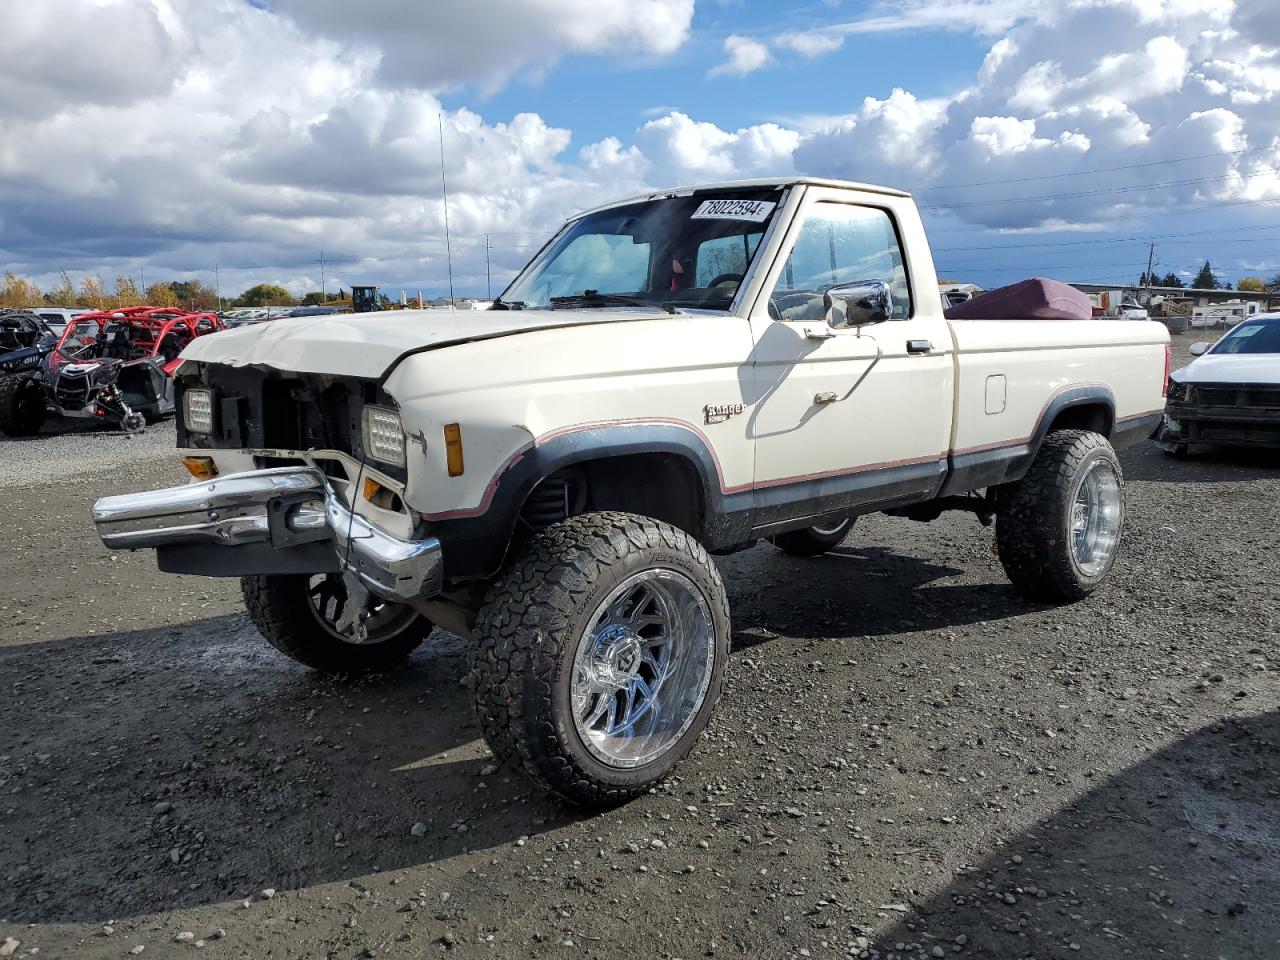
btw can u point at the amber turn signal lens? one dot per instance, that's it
(453, 448)
(202, 468)
(371, 488)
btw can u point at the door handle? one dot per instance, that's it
(919, 346)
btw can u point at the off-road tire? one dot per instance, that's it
(527, 634)
(1033, 519)
(809, 542)
(22, 409)
(280, 608)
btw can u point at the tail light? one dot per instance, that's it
(1168, 369)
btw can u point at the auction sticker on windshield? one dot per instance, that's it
(754, 210)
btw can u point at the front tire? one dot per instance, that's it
(22, 408)
(600, 656)
(296, 614)
(816, 540)
(1058, 528)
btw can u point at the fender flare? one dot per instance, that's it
(475, 540)
(1077, 395)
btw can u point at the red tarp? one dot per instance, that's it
(1036, 299)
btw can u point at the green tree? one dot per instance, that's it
(266, 295)
(1205, 279)
(1251, 284)
(64, 294)
(194, 295)
(1170, 280)
(93, 294)
(1273, 285)
(313, 299)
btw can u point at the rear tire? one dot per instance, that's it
(1058, 528)
(22, 409)
(600, 656)
(284, 609)
(816, 540)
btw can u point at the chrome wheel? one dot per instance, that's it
(831, 529)
(361, 619)
(642, 668)
(1096, 514)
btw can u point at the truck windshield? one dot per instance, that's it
(672, 252)
(1254, 336)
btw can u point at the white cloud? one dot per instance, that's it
(811, 43)
(438, 44)
(683, 150)
(745, 56)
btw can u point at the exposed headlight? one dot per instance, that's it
(383, 435)
(1177, 391)
(197, 408)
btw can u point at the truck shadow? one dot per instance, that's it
(856, 592)
(1187, 840)
(275, 776)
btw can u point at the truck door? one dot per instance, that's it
(852, 419)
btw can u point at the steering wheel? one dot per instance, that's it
(725, 278)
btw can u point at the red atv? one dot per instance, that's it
(117, 365)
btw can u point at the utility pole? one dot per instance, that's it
(217, 286)
(444, 186)
(488, 282)
(1151, 257)
(323, 298)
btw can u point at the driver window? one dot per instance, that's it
(840, 243)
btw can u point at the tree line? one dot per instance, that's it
(1206, 279)
(93, 294)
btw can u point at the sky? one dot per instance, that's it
(172, 138)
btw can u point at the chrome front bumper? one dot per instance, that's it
(282, 507)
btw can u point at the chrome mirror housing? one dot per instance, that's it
(1200, 348)
(858, 304)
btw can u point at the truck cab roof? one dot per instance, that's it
(752, 184)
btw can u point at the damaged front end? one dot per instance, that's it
(1225, 414)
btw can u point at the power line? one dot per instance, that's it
(1085, 173)
(1100, 192)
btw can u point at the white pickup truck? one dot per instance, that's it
(673, 376)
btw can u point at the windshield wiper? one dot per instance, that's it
(500, 304)
(590, 297)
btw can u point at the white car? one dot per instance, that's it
(1230, 394)
(673, 376)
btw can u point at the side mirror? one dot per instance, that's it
(1199, 348)
(858, 304)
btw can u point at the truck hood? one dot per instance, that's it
(369, 345)
(1231, 368)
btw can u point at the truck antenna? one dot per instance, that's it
(444, 186)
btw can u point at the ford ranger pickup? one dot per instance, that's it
(672, 377)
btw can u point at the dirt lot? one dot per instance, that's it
(908, 759)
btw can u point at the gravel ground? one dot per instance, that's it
(908, 760)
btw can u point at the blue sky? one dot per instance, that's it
(598, 97)
(1050, 137)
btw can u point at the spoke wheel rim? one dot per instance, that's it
(831, 529)
(326, 597)
(642, 668)
(1096, 516)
